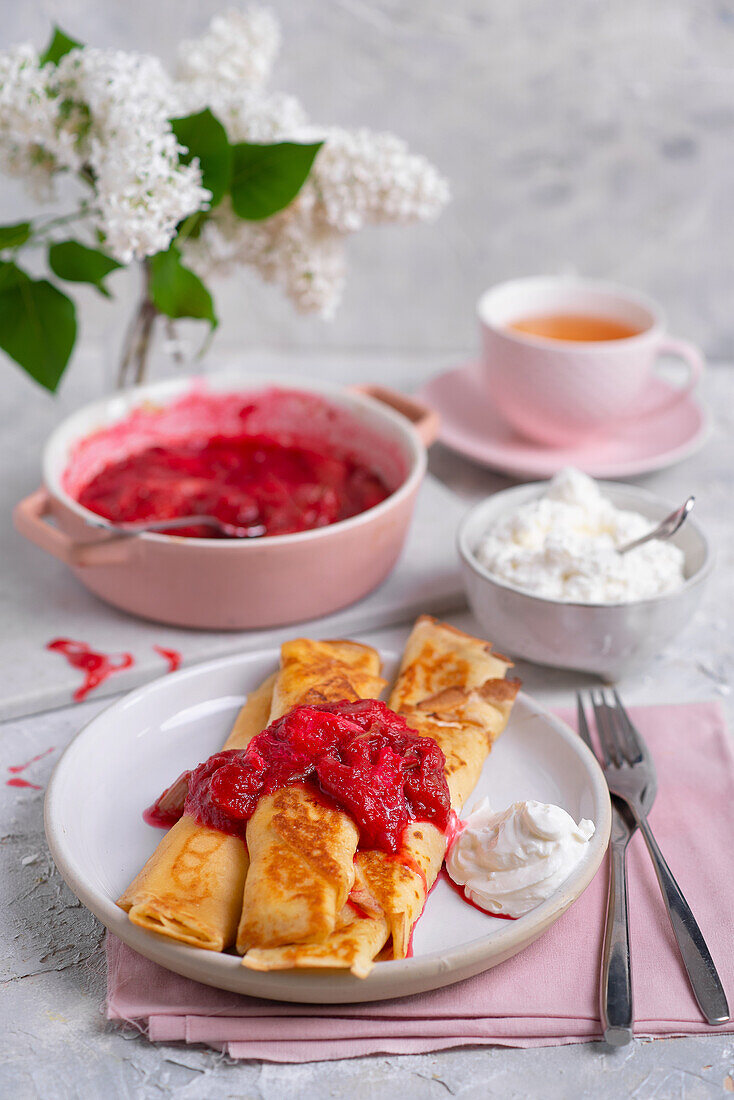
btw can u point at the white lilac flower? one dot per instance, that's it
(34, 142)
(364, 178)
(358, 179)
(294, 250)
(225, 70)
(143, 191)
(107, 112)
(302, 256)
(237, 51)
(246, 115)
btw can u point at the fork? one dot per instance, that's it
(629, 772)
(615, 984)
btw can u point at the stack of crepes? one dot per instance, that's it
(301, 892)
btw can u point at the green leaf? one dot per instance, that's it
(37, 325)
(12, 236)
(205, 138)
(265, 178)
(76, 263)
(59, 45)
(178, 292)
(192, 226)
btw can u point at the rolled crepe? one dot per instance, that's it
(253, 716)
(301, 849)
(450, 687)
(330, 671)
(353, 944)
(465, 723)
(191, 887)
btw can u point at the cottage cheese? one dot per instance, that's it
(562, 546)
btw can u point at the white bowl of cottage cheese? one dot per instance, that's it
(544, 576)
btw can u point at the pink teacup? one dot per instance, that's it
(562, 391)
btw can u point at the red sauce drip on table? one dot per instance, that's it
(171, 655)
(260, 484)
(361, 757)
(97, 667)
(14, 769)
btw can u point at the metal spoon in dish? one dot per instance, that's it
(663, 530)
(229, 530)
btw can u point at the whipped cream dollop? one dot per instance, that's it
(563, 546)
(511, 861)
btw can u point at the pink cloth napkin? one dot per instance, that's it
(548, 993)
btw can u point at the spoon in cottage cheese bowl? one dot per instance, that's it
(565, 544)
(664, 530)
(511, 861)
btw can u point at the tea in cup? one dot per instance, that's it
(566, 358)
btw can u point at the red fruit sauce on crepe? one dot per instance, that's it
(359, 756)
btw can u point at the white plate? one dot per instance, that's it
(121, 761)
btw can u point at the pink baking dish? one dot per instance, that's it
(233, 584)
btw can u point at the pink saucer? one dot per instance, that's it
(471, 426)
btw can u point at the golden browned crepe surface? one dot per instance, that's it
(301, 849)
(451, 687)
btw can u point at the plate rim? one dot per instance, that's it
(388, 979)
(449, 438)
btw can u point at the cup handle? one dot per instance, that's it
(693, 359)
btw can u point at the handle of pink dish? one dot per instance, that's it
(425, 421)
(29, 517)
(692, 358)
